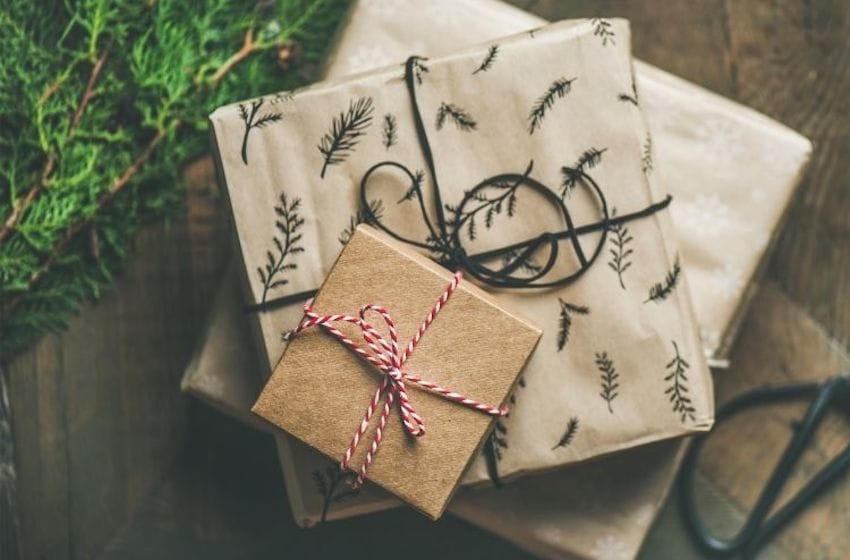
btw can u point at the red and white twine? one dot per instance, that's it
(388, 357)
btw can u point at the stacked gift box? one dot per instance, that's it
(620, 363)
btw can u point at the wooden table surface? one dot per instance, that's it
(114, 462)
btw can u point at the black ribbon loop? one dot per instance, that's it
(444, 238)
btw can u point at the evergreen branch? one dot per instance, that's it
(559, 89)
(609, 378)
(489, 59)
(677, 391)
(661, 290)
(71, 224)
(569, 433)
(461, 118)
(250, 123)
(565, 320)
(572, 175)
(620, 253)
(247, 48)
(287, 224)
(346, 130)
(376, 208)
(390, 131)
(602, 28)
(37, 188)
(81, 225)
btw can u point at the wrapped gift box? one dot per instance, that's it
(692, 129)
(446, 331)
(626, 316)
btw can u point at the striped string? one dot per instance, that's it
(389, 357)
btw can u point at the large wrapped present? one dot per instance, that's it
(541, 190)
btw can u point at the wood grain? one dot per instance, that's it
(114, 463)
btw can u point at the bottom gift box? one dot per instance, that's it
(600, 509)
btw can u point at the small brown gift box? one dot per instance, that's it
(319, 389)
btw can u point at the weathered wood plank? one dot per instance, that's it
(793, 63)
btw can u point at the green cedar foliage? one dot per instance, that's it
(101, 103)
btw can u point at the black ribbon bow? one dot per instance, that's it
(444, 238)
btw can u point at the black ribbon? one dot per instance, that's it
(444, 239)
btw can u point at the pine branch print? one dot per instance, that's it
(678, 388)
(461, 118)
(572, 175)
(609, 379)
(390, 131)
(569, 433)
(287, 245)
(646, 159)
(489, 59)
(602, 28)
(415, 187)
(526, 265)
(558, 90)
(346, 130)
(498, 439)
(419, 68)
(252, 121)
(620, 252)
(327, 484)
(630, 97)
(361, 217)
(565, 320)
(497, 442)
(661, 290)
(493, 206)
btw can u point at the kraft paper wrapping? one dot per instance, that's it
(619, 343)
(319, 389)
(692, 129)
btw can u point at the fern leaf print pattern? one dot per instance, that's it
(661, 290)
(488, 61)
(390, 131)
(646, 157)
(252, 121)
(610, 378)
(499, 197)
(603, 29)
(677, 390)
(620, 251)
(558, 90)
(286, 245)
(328, 485)
(569, 433)
(572, 175)
(346, 131)
(376, 211)
(455, 114)
(565, 320)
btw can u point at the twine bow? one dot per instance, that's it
(389, 357)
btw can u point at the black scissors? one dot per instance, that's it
(758, 529)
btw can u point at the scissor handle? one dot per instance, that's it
(757, 529)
